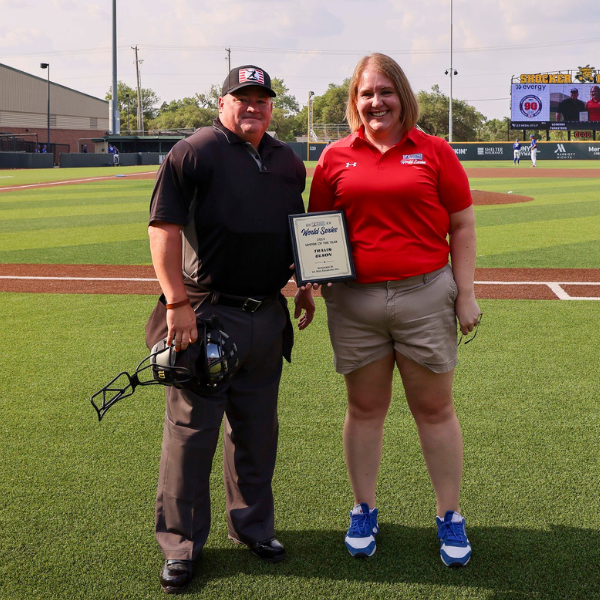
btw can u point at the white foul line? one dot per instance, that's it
(78, 278)
(555, 286)
(49, 183)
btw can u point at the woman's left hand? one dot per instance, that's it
(467, 311)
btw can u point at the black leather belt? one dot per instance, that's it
(250, 305)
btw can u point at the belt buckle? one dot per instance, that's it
(251, 305)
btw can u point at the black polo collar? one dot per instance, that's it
(266, 142)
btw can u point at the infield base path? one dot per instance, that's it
(501, 284)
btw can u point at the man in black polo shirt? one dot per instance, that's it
(220, 244)
(569, 108)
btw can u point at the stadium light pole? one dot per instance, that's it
(115, 121)
(47, 66)
(451, 73)
(310, 95)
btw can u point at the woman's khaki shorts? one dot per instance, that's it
(414, 316)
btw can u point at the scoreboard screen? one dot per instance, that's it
(555, 106)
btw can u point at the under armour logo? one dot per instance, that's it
(350, 165)
(559, 148)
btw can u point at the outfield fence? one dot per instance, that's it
(589, 150)
(488, 150)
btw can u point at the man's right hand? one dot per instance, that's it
(181, 323)
(165, 246)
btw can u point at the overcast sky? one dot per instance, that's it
(308, 43)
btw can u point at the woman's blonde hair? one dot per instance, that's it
(409, 108)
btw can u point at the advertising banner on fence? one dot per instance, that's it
(546, 150)
(493, 150)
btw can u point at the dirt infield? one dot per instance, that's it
(501, 284)
(486, 198)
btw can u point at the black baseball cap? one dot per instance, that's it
(574, 91)
(242, 77)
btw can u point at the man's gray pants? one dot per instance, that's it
(191, 431)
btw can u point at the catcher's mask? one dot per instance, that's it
(201, 367)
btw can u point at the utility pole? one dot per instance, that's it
(228, 59)
(452, 71)
(140, 115)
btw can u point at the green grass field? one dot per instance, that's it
(31, 176)
(78, 495)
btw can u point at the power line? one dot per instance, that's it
(487, 99)
(341, 52)
(361, 52)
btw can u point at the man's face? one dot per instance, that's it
(574, 94)
(247, 113)
(595, 93)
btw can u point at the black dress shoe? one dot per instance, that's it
(176, 575)
(269, 550)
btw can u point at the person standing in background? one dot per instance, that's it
(593, 104)
(516, 152)
(569, 108)
(533, 148)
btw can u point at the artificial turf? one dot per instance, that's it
(77, 510)
(76, 519)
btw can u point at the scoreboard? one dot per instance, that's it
(559, 102)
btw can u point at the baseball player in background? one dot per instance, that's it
(516, 152)
(533, 148)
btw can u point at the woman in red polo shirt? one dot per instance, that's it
(404, 193)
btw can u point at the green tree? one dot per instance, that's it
(201, 109)
(467, 121)
(187, 113)
(328, 108)
(283, 125)
(127, 102)
(210, 99)
(284, 101)
(285, 109)
(331, 106)
(498, 130)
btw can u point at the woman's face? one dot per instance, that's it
(378, 104)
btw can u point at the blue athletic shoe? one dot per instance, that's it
(455, 549)
(360, 539)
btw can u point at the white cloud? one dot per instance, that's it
(75, 37)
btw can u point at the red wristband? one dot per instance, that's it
(178, 304)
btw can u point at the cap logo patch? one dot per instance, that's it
(255, 75)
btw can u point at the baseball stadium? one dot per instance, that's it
(77, 284)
